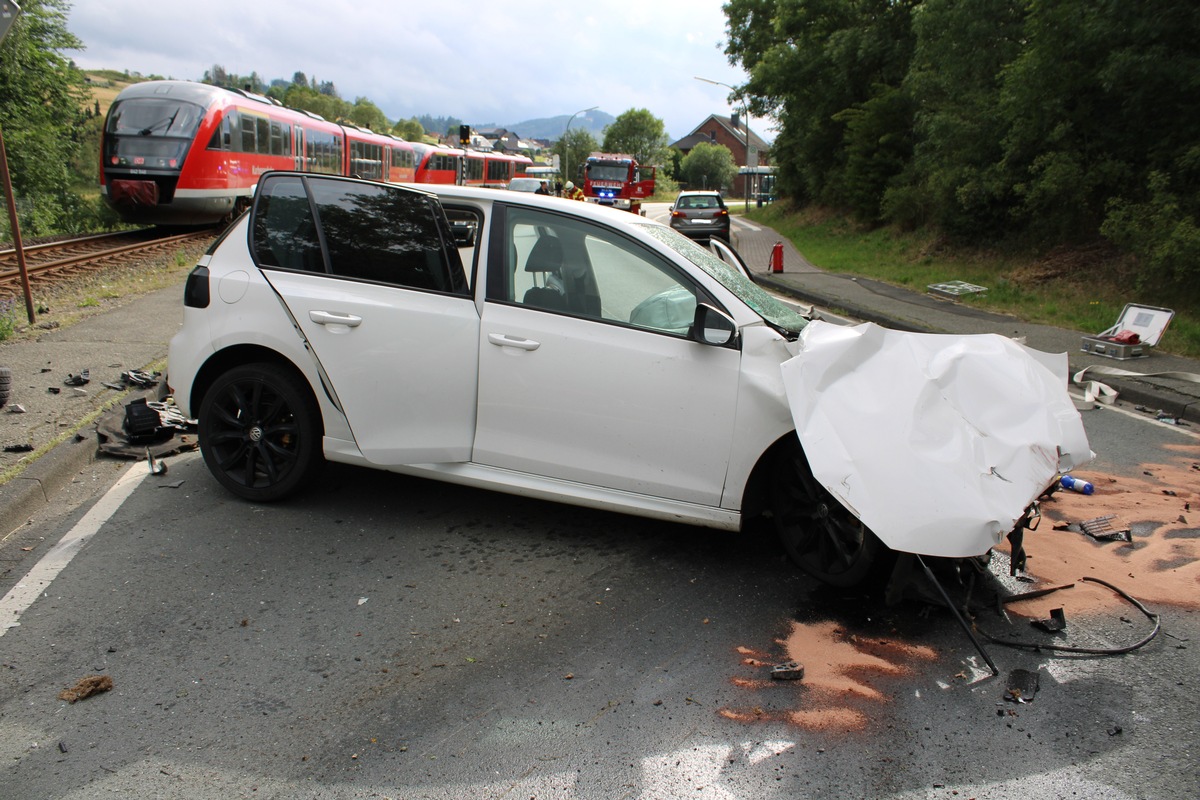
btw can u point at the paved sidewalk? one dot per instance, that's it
(135, 335)
(131, 336)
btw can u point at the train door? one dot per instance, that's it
(298, 147)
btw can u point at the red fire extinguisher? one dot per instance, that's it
(777, 257)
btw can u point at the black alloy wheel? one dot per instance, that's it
(259, 432)
(819, 534)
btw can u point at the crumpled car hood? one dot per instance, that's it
(938, 443)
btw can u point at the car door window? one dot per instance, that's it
(571, 266)
(384, 234)
(370, 232)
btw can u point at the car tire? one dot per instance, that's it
(5, 385)
(260, 432)
(820, 534)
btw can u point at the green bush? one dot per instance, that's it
(1161, 234)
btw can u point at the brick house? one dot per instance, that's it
(728, 131)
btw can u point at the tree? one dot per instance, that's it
(808, 63)
(708, 166)
(573, 149)
(1102, 96)
(42, 96)
(366, 114)
(953, 179)
(216, 76)
(306, 99)
(638, 133)
(409, 130)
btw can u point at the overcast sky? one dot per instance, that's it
(483, 62)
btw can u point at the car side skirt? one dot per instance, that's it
(526, 485)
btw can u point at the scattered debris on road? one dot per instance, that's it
(788, 671)
(86, 687)
(82, 379)
(1102, 529)
(1022, 686)
(1056, 623)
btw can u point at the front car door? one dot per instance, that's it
(586, 371)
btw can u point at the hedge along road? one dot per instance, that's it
(392, 637)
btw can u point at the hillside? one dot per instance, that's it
(594, 122)
(105, 85)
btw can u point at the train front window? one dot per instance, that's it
(152, 118)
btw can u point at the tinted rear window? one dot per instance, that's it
(371, 232)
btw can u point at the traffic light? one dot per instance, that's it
(464, 135)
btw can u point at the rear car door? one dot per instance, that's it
(370, 276)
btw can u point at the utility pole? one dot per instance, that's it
(567, 145)
(8, 14)
(745, 120)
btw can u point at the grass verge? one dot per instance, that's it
(1084, 289)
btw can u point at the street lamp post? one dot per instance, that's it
(745, 136)
(567, 145)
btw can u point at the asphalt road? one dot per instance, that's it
(392, 637)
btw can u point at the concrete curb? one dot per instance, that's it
(34, 488)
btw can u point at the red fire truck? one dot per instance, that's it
(616, 179)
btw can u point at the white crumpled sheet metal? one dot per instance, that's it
(938, 443)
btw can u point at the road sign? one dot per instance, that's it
(8, 13)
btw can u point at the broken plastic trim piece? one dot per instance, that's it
(1056, 623)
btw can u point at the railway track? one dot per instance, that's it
(53, 262)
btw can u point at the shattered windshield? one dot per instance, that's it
(774, 311)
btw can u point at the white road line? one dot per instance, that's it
(21, 597)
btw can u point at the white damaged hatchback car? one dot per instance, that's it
(570, 352)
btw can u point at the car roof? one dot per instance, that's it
(593, 211)
(704, 192)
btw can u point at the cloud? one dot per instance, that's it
(483, 63)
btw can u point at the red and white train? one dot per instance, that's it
(184, 153)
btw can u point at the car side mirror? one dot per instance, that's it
(710, 326)
(671, 207)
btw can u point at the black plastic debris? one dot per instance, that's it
(140, 378)
(172, 433)
(1056, 623)
(78, 380)
(141, 421)
(1102, 529)
(788, 671)
(1022, 686)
